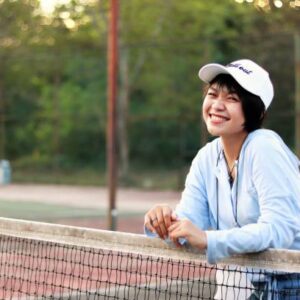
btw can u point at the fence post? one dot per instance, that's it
(112, 57)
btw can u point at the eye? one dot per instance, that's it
(233, 98)
(212, 93)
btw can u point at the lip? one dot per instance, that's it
(217, 119)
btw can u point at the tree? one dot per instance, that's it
(53, 76)
(18, 25)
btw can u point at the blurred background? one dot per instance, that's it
(53, 84)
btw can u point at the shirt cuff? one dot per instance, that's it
(149, 233)
(211, 246)
(182, 241)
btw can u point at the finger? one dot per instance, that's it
(175, 225)
(176, 231)
(155, 224)
(174, 217)
(175, 241)
(161, 224)
(154, 221)
(148, 224)
(167, 212)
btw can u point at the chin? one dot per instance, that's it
(214, 131)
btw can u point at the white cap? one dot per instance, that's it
(247, 73)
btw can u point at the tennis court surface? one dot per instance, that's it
(47, 261)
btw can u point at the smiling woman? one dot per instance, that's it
(242, 193)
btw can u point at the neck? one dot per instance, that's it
(232, 146)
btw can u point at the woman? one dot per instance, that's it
(242, 193)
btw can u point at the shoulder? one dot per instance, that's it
(206, 157)
(267, 145)
(209, 152)
(263, 134)
(265, 140)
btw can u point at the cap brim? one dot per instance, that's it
(208, 72)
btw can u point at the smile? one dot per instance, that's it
(217, 118)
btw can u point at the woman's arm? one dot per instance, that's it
(278, 191)
(192, 206)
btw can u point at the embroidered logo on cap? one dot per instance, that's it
(240, 67)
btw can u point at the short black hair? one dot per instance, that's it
(252, 105)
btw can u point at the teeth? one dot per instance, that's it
(217, 118)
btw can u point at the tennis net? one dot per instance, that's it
(47, 261)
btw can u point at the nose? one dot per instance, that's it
(218, 103)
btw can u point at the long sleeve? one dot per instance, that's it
(194, 204)
(276, 181)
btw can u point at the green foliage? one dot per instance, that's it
(53, 75)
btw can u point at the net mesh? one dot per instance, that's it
(43, 261)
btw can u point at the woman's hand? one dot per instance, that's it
(187, 230)
(158, 219)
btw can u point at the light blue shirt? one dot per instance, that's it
(262, 208)
(260, 211)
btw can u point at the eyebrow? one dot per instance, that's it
(221, 87)
(213, 88)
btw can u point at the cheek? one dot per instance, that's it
(237, 113)
(205, 107)
(242, 116)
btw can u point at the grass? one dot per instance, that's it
(49, 212)
(84, 177)
(155, 178)
(43, 211)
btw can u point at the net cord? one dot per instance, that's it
(280, 260)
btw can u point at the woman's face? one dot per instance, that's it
(222, 112)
